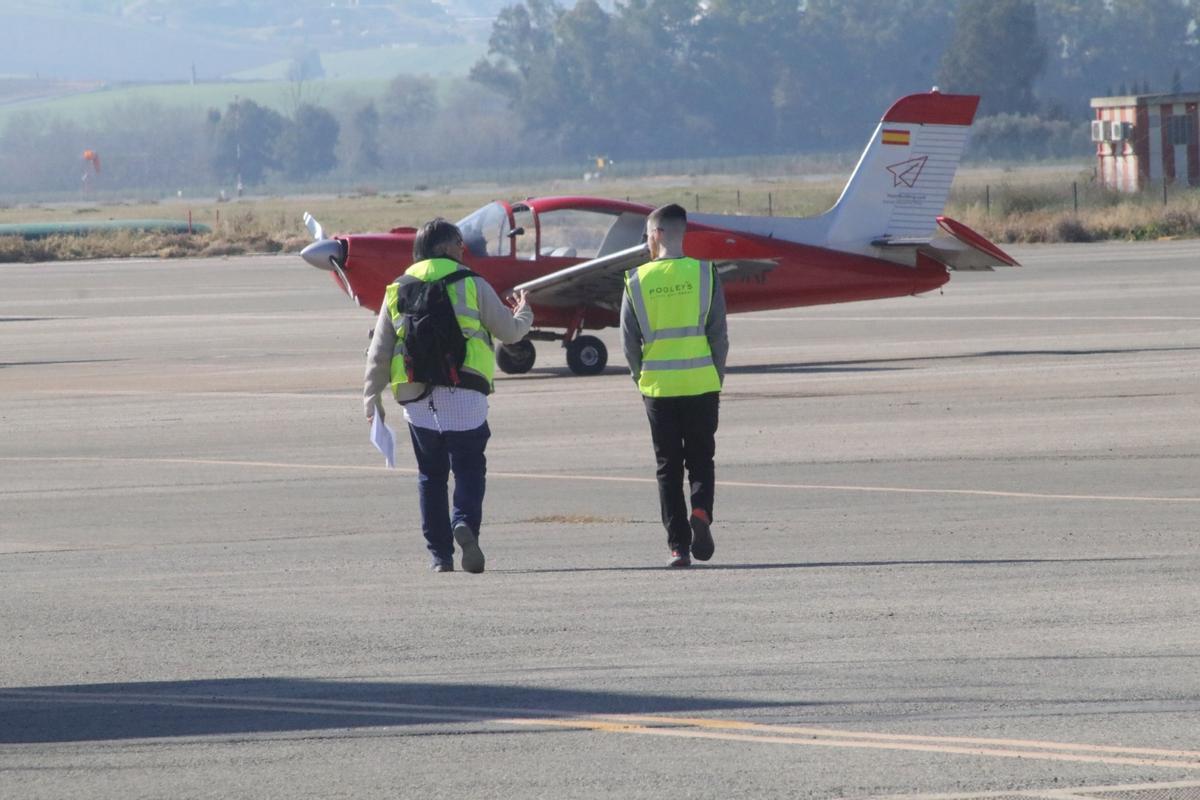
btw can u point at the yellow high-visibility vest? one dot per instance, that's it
(671, 298)
(479, 365)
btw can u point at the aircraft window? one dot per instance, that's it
(627, 231)
(526, 239)
(572, 232)
(485, 232)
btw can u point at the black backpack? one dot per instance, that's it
(434, 346)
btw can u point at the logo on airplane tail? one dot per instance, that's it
(907, 172)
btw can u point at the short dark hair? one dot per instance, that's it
(672, 212)
(432, 235)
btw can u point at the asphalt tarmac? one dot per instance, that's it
(957, 552)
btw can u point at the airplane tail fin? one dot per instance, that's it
(892, 206)
(900, 185)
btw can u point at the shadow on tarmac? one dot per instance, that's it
(565, 372)
(970, 562)
(880, 364)
(104, 712)
(870, 364)
(60, 362)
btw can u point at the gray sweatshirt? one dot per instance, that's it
(715, 328)
(497, 318)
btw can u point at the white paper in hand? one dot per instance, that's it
(384, 440)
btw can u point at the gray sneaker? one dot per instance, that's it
(472, 556)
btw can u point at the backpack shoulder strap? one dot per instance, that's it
(410, 291)
(457, 275)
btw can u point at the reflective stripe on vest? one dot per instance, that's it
(464, 296)
(671, 299)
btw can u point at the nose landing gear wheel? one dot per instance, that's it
(587, 355)
(516, 359)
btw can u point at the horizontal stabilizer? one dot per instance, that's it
(955, 246)
(964, 249)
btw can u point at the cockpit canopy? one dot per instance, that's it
(558, 232)
(486, 231)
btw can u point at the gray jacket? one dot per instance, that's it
(497, 318)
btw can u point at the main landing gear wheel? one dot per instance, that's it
(587, 355)
(516, 359)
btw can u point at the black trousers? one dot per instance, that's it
(683, 431)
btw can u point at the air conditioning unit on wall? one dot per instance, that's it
(1104, 130)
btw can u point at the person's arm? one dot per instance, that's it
(631, 336)
(379, 362)
(501, 322)
(716, 328)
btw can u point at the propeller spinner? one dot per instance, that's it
(328, 254)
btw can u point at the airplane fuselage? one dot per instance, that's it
(802, 276)
(886, 236)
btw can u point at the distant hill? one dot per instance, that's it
(51, 44)
(176, 40)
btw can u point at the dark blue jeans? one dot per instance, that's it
(439, 454)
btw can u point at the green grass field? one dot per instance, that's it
(363, 73)
(91, 105)
(451, 60)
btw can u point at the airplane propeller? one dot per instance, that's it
(326, 253)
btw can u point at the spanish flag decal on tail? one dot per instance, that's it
(895, 136)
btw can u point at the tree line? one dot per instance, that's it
(653, 79)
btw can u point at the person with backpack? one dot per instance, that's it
(433, 344)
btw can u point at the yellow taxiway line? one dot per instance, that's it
(736, 731)
(639, 724)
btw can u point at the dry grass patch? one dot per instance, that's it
(1137, 219)
(1006, 205)
(115, 244)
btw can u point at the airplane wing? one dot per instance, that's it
(599, 282)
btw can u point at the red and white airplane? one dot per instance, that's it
(884, 237)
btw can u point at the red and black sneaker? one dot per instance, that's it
(680, 557)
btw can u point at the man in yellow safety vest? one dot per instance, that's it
(675, 339)
(447, 424)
